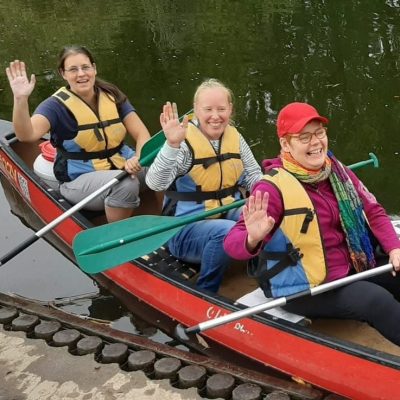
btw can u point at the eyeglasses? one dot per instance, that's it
(305, 137)
(83, 68)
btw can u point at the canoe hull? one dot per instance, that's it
(349, 370)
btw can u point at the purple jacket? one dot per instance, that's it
(327, 210)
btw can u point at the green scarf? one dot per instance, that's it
(351, 212)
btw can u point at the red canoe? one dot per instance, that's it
(361, 366)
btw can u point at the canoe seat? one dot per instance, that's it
(257, 297)
(163, 261)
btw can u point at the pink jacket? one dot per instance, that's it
(327, 210)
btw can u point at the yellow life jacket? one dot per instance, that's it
(294, 259)
(100, 134)
(213, 178)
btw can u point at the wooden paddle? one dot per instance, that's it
(148, 153)
(183, 333)
(101, 248)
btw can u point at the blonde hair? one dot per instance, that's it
(212, 83)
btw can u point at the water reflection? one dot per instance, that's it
(42, 274)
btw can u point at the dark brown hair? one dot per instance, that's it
(107, 87)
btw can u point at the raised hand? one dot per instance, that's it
(19, 82)
(258, 223)
(174, 131)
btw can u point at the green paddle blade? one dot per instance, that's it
(106, 246)
(151, 148)
(113, 244)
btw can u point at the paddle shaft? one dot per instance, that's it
(61, 218)
(281, 301)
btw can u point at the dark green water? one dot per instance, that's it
(342, 56)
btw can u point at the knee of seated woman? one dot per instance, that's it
(219, 228)
(370, 294)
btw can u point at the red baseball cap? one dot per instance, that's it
(295, 116)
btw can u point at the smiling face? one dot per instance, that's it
(213, 110)
(310, 155)
(80, 74)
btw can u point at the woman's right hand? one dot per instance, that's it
(19, 82)
(256, 219)
(174, 131)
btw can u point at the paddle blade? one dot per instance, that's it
(151, 148)
(107, 246)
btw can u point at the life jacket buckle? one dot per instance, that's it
(307, 219)
(293, 255)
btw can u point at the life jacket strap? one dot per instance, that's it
(309, 216)
(208, 161)
(287, 258)
(84, 155)
(200, 196)
(100, 124)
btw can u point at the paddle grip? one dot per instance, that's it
(372, 160)
(193, 330)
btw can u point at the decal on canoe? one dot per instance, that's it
(239, 326)
(23, 184)
(213, 312)
(9, 170)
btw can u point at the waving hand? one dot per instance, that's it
(175, 131)
(258, 223)
(20, 85)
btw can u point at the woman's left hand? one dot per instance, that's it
(394, 259)
(132, 166)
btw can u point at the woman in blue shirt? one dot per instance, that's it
(88, 120)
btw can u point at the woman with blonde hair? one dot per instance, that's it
(201, 166)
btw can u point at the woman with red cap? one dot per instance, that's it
(309, 221)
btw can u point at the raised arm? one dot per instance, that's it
(26, 128)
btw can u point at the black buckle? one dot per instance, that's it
(307, 219)
(294, 255)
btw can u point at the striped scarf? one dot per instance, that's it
(351, 212)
